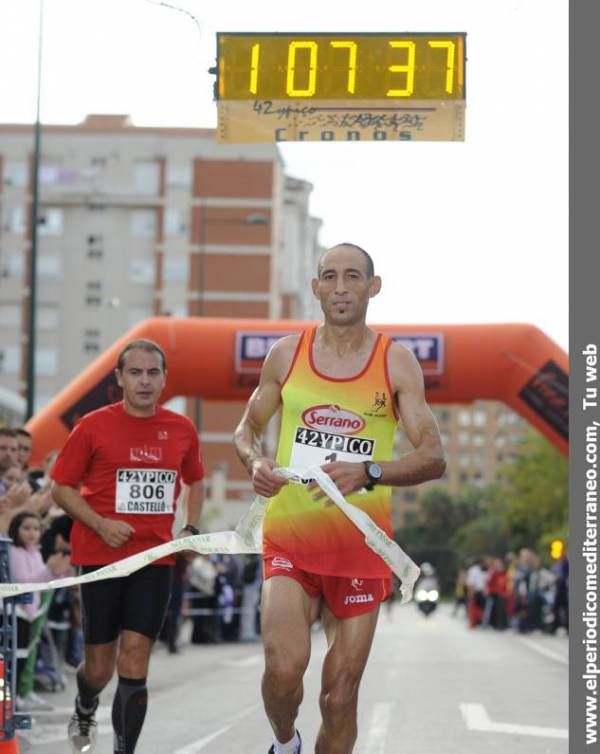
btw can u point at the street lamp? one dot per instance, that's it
(31, 307)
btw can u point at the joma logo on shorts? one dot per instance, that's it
(278, 562)
(334, 417)
(353, 599)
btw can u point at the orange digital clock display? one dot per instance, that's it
(341, 66)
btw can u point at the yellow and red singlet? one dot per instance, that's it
(328, 419)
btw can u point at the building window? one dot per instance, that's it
(464, 438)
(94, 285)
(464, 459)
(15, 174)
(445, 437)
(175, 225)
(410, 518)
(51, 221)
(146, 177)
(98, 162)
(16, 220)
(141, 271)
(10, 315)
(410, 497)
(478, 439)
(95, 246)
(179, 176)
(479, 418)
(463, 477)
(14, 267)
(500, 441)
(175, 269)
(464, 417)
(49, 267)
(142, 223)
(93, 301)
(478, 479)
(46, 361)
(91, 347)
(92, 333)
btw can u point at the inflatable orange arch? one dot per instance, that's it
(220, 359)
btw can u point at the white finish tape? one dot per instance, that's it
(246, 538)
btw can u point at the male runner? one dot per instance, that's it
(342, 388)
(130, 459)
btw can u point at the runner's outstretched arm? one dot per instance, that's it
(263, 404)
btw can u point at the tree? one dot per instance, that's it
(537, 488)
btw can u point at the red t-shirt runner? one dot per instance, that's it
(130, 469)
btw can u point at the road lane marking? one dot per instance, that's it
(201, 743)
(544, 650)
(477, 718)
(378, 728)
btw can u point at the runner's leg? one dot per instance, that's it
(287, 613)
(349, 643)
(131, 697)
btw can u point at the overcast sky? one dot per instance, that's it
(461, 232)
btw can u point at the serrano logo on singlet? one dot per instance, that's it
(328, 416)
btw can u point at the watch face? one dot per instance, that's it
(375, 471)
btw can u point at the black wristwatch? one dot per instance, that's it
(192, 529)
(374, 474)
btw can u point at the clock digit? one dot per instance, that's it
(408, 68)
(351, 47)
(290, 89)
(450, 55)
(254, 68)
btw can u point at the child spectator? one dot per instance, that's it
(28, 566)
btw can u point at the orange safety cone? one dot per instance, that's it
(11, 745)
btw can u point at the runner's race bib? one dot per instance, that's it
(145, 490)
(312, 447)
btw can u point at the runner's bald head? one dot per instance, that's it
(369, 266)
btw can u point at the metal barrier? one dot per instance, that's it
(10, 721)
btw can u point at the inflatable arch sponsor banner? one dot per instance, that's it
(220, 359)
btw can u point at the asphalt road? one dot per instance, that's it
(432, 686)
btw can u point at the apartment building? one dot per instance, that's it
(136, 222)
(478, 440)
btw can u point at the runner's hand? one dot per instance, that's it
(348, 477)
(264, 479)
(187, 555)
(114, 533)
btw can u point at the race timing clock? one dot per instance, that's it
(344, 86)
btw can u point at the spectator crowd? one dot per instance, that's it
(219, 594)
(516, 591)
